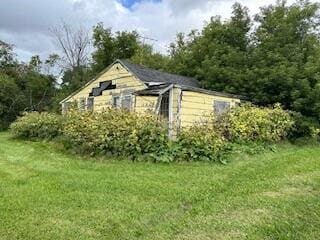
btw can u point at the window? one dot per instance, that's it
(82, 104)
(164, 106)
(127, 102)
(66, 106)
(220, 107)
(90, 103)
(116, 102)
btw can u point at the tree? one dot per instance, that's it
(146, 56)
(109, 46)
(22, 86)
(74, 44)
(286, 57)
(35, 63)
(7, 56)
(11, 100)
(218, 56)
(74, 59)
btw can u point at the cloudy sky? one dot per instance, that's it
(26, 23)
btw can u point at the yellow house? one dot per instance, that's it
(178, 99)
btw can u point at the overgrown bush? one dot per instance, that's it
(202, 142)
(251, 123)
(37, 125)
(115, 132)
(145, 137)
(304, 127)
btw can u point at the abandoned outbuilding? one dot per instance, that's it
(178, 99)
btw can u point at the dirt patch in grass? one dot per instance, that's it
(291, 192)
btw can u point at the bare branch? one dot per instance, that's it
(74, 44)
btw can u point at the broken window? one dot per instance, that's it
(97, 91)
(220, 107)
(127, 102)
(116, 102)
(164, 106)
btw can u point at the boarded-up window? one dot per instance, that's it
(82, 104)
(90, 103)
(220, 107)
(116, 102)
(127, 102)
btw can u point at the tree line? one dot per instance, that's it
(271, 57)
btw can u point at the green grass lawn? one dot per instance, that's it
(46, 194)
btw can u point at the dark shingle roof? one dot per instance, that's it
(150, 75)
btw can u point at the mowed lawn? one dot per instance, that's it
(47, 194)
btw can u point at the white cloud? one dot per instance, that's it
(26, 23)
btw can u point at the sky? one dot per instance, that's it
(27, 23)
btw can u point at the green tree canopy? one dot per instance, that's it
(217, 56)
(109, 46)
(286, 58)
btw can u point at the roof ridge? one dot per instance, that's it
(147, 74)
(161, 71)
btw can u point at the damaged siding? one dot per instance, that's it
(124, 81)
(197, 107)
(146, 104)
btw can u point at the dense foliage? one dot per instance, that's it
(250, 123)
(38, 126)
(203, 142)
(145, 137)
(115, 132)
(22, 86)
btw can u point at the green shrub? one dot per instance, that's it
(304, 127)
(37, 125)
(115, 132)
(144, 137)
(201, 143)
(251, 123)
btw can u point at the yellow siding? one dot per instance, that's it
(197, 107)
(146, 104)
(125, 82)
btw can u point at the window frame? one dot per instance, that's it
(91, 106)
(116, 105)
(82, 104)
(164, 109)
(219, 112)
(129, 108)
(66, 106)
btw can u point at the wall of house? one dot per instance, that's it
(125, 83)
(145, 104)
(197, 107)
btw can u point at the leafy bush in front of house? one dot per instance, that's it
(114, 132)
(251, 123)
(202, 142)
(37, 125)
(144, 137)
